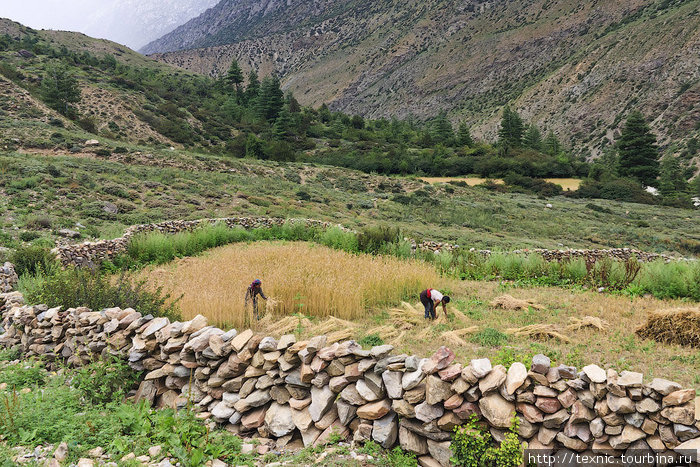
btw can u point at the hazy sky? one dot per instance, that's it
(130, 22)
(50, 14)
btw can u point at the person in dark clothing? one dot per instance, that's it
(251, 295)
(430, 298)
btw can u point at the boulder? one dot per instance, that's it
(278, 420)
(492, 381)
(497, 410)
(436, 390)
(540, 364)
(479, 368)
(392, 383)
(517, 374)
(321, 401)
(385, 430)
(411, 442)
(440, 451)
(664, 386)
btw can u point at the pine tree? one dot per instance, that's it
(551, 144)
(672, 183)
(533, 138)
(270, 99)
(639, 155)
(441, 130)
(60, 89)
(510, 134)
(291, 103)
(234, 77)
(284, 125)
(464, 136)
(253, 88)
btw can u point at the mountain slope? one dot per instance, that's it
(573, 67)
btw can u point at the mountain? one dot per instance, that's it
(574, 67)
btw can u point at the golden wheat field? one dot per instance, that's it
(299, 277)
(572, 184)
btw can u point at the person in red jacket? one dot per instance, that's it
(431, 298)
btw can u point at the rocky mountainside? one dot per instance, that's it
(573, 67)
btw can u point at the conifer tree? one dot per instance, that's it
(284, 125)
(441, 130)
(234, 77)
(270, 99)
(533, 138)
(672, 183)
(253, 88)
(510, 134)
(464, 136)
(551, 144)
(639, 155)
(60, 89)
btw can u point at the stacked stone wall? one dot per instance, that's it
(8, 277)
(316, 389)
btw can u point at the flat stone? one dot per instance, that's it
(493, 380)
(350, 395)
(440, 451)
(682, 414)
(630, 379)
(678, 397)
(412, 379)
(664, 386)
(595, 373)
(374, 410)
(621, 405)
(346, 412)
(440, 360)
(427, 413)
(240, 341)
(381, 351)
(548, 404)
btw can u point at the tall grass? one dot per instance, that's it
(302, 277)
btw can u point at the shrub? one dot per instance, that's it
(106, 380)
(28, 236)
(371, 340)
(472, 446)
(397, 457)
(23, 374)
(31, 259)
(373, 239)
(73, 287)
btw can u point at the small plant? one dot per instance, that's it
(370, 448)
(335, 437)
(397, 457)
(23, 374)
(371, 340)
(472, 446)
(106, 380)
(490, 337)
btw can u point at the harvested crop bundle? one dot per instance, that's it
(508, 302)
(673, 326)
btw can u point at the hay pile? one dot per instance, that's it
(673, 326)
(587, 322)
(539, 331)
(508, 302)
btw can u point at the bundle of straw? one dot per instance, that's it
(673, 326)
(539, 331)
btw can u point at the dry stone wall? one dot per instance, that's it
(8, 277)
(313, 389)
(88, 254)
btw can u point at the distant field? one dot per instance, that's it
(301, 277)
(566, 183)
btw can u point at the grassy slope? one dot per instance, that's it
(153, 185)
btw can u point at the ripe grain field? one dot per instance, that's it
(300, 277)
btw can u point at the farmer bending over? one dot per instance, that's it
(252, 293)
(430, 298)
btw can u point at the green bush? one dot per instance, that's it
(397, 457)
(106, 380)
(472, 446)
(371, 340)
(72, 287)
(23, 374)
(32, 259)
(374, 239)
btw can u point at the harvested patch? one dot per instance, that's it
(675, 326)
(455, 338)
(587, 322)
(301, 277)
(539, 332)
(508, 302)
